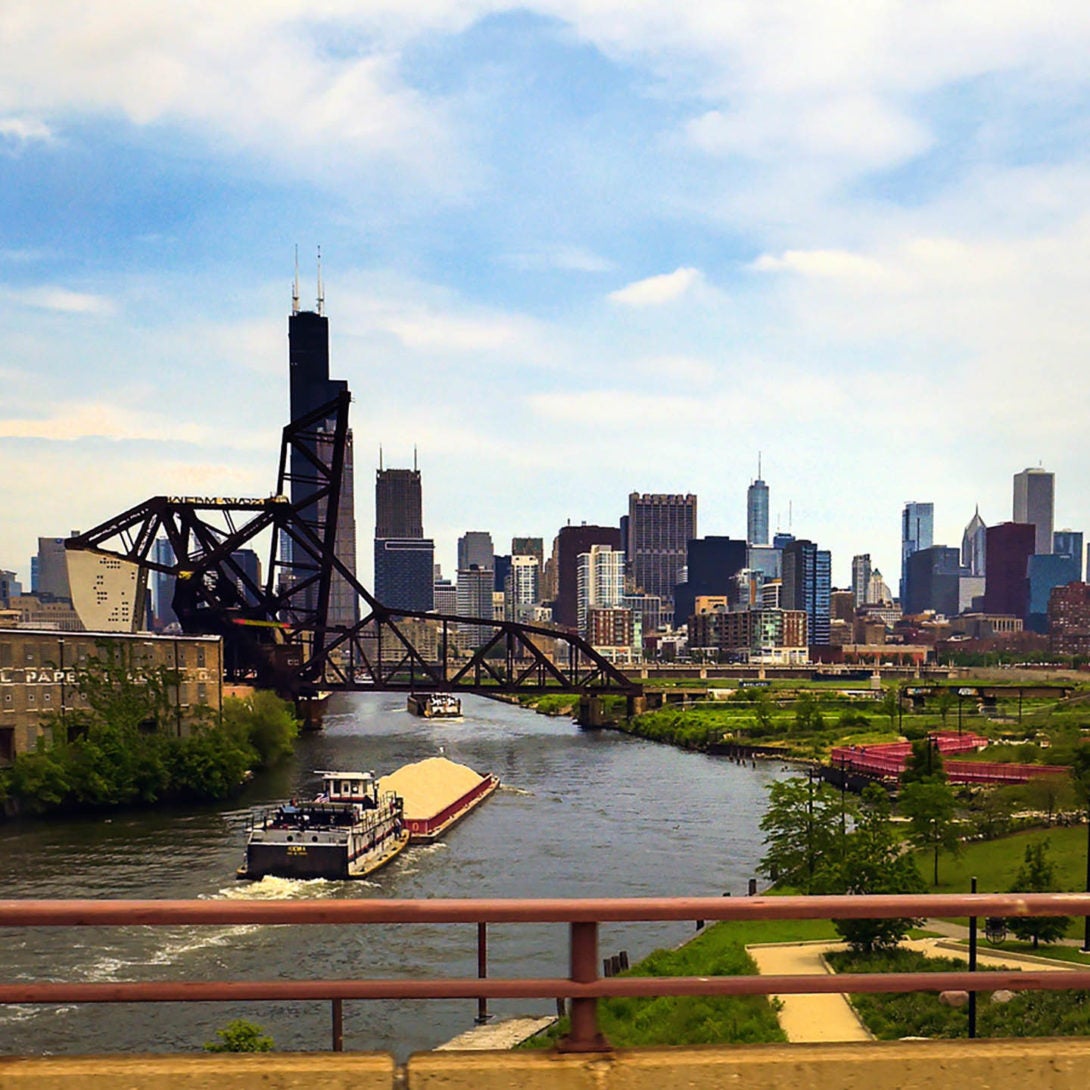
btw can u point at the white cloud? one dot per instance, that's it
(569, 258)
(820, 263)
(72, 421)
(655, 290)
(63, 300)
(25, 130)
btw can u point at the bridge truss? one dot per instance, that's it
(276, 631)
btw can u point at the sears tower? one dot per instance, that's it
(310, 388)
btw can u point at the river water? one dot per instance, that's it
(580, 814)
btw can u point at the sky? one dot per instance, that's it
(571, 249)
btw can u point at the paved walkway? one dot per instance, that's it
(808, 1017)
(829, 1017)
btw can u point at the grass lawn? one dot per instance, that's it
(996, 863)
(719, 950)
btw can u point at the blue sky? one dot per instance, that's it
(572, 249)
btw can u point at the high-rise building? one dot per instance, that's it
(933, 581)
(522, 587)
(1006, 587)
(599, 581)
(1033, 503)
(475, 550)
(162, 585)
(1069, 543)
(404, 558)
(445, 597)
(974, 545)
(529, 546)
(917, 532)
(660, 527)
(807, 586)
(52, 581)
(861, 572)
(398, 503)
(310, 387)
(1044, 572)
(878, 593)
(757, 510)
(404, 573)
(711, 566)
(475, 588)
(1069, 620)
(570, 542)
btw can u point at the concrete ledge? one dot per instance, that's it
(1041, 1063)
(1044, 1064)
(216, 1071)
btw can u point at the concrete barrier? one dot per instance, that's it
(1042, 1063)
(214, 1071)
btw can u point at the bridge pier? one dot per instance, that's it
(635, 705)
(591, 715)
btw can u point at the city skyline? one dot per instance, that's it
(563, 243)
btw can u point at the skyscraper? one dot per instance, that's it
(570, 542)
(310, 387)
(660, 527)
(475, 550)
(1006, 586)
(398, 503)
(599, 582)
(974, 545)
(861, 571)
(1069, 543)
(404, 558)
(757, 510)
(711, 565)
(1033, 503)
(917, 532)
(807, 586)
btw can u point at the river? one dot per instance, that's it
(580, 814)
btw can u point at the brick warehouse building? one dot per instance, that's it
(39, 669)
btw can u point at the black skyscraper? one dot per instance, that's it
(309, 388)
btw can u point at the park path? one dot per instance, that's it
(830, 1017)
(826, 1017)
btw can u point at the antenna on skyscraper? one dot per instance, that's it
(380, 458)
(758, 465)
(295, 286)
(790, 514)
(415, 470)
(321, 290)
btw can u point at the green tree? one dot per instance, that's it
(240, 1035)
(890, 705)
(945, 699)
(803, 827)
(1049, 794)
(931, 807)
(808, 717)
(1036, 875)
(762, 711)
(924, 763)
(872, 862)
(263, 721)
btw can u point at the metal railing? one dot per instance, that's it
(583, 987)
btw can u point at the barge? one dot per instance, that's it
(349, 830)
(437, 794)
(435, 705)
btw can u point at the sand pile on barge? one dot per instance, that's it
(437, 792)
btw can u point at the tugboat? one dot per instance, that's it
(435, 705)
(348, 831)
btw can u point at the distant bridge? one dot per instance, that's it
(276, 632)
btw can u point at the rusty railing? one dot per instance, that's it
(583, 987)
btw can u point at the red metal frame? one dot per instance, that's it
(583, 987)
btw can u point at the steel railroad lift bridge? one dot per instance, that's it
(276, 631)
